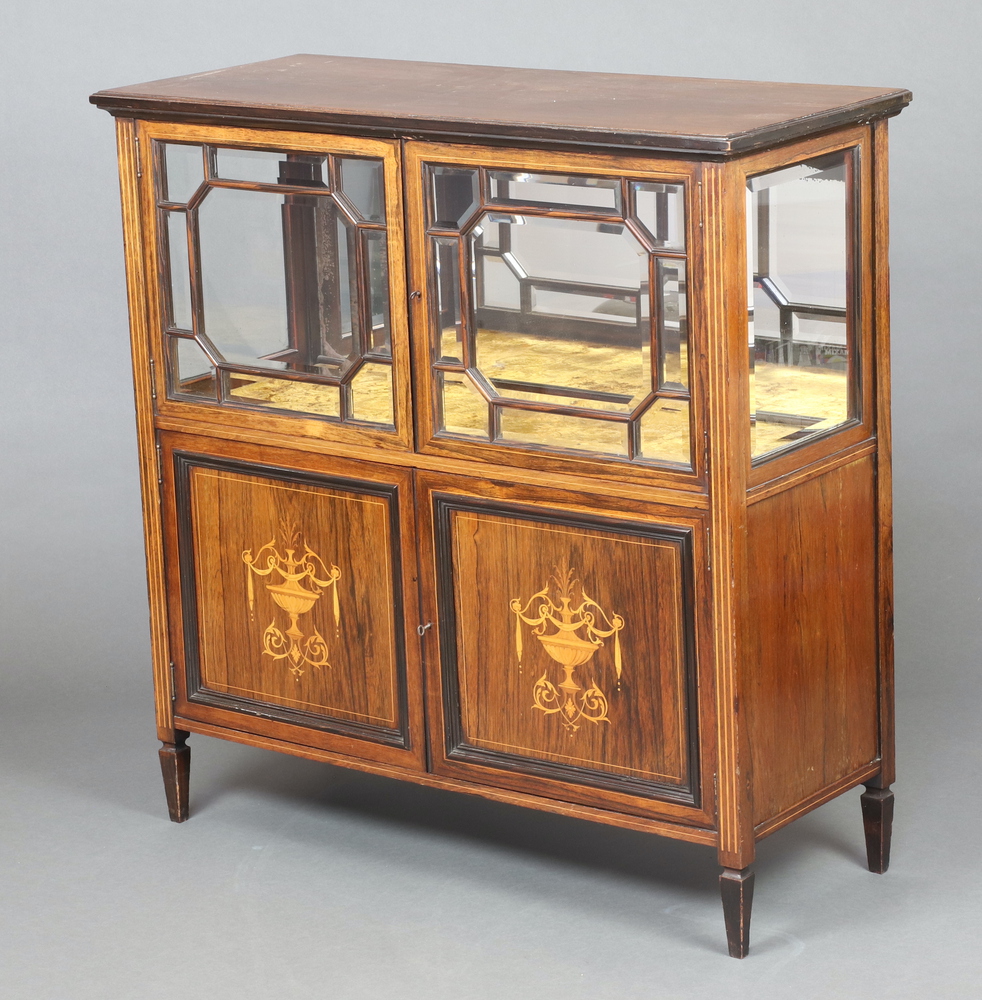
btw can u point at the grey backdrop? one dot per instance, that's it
(295, 880)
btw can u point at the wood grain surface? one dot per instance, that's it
(720, 116)
(740, 670)
(811, 700)
(488, 550)
(235, 513)
(140, 287)
(285, 658)
(727, 456)
(498, 559)
(884, 458)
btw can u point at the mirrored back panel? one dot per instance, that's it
(275, 280)
(559, 309)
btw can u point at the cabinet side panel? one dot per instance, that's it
(811, 672)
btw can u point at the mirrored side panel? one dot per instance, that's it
(801, 229)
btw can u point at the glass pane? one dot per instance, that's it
(362, 182)
(243, 283)
(455, 196)
(270, 168)
(556, 190)
(798, 387)
(673, 334)
(195, 375)
(496, 285)
(660, 208)
(378, 281)
(581, 328)
(250, 242)
(371, 394)
(558, 430)
(490, 233)
(664, 433)
(183, 171)
(280, 394)
(820, 341)
(464, 409)
(797, 267)
(766, 319)
(448, 300)
(180, 272)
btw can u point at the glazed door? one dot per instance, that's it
(564, 659)
(552, 306)
(280, 299)
(292, 597)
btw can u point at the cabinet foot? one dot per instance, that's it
(737, 889)
(877, 806)
(175, 765)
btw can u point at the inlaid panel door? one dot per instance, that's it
(292, 597)
(566, 659)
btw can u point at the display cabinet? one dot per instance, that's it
(521, 433)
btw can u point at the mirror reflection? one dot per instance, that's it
(798, 261)
(273, 271)
(561, 323)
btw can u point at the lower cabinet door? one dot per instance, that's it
(567, 657)
(291, 582)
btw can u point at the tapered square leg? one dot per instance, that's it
(175, 765)
(878, 825)
(737, 889)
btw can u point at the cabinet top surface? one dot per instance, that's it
(440, 99)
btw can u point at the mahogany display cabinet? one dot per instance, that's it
(521, 433)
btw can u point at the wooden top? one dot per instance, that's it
(444, 99)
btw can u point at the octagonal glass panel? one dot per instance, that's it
(559, 311)
(561, 315)
(243, 289)
(278, 281)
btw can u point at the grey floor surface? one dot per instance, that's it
(299, 880)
